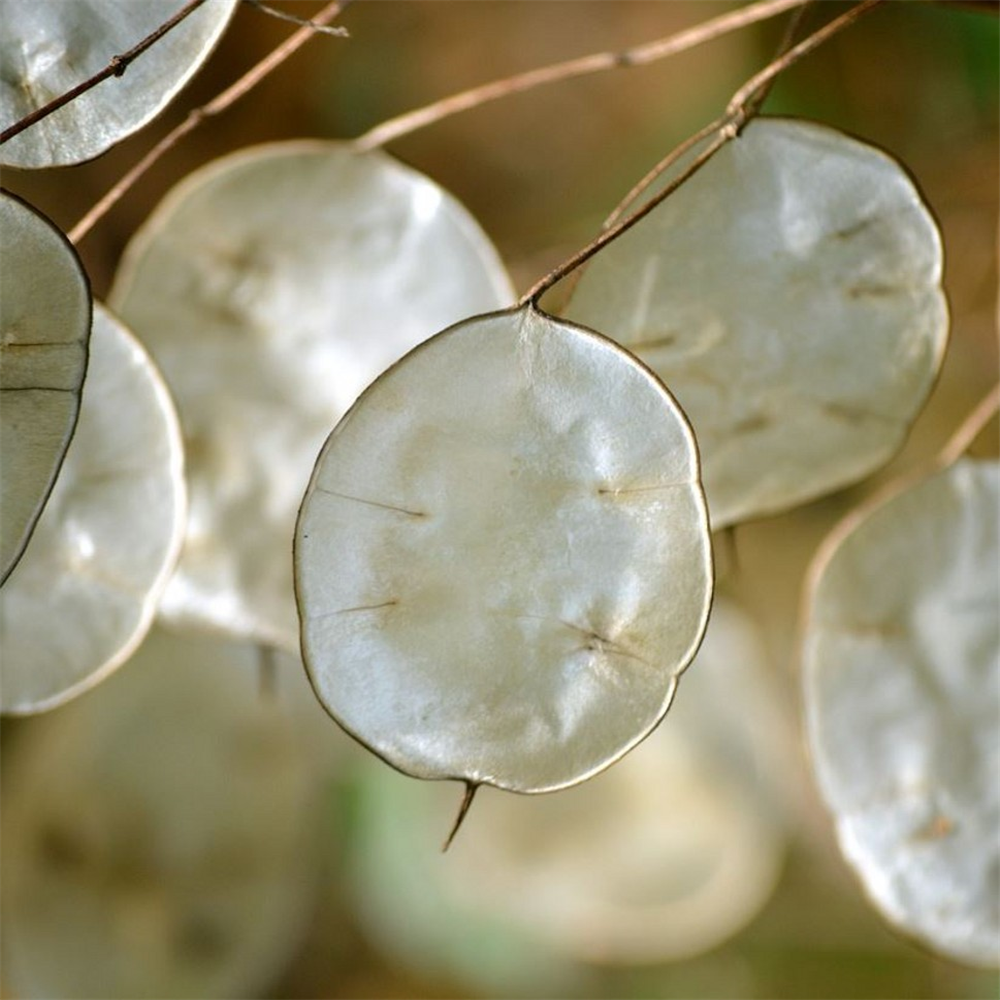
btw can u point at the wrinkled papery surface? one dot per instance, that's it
(84, 594)
(789, 294)
(272, 287)
(502, 559)
(676, 848)
(45, 313)
(47, 47)
(902, 683)
(661, 858)
(159, 834)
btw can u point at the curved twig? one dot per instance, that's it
(726, 128)
(596, 62)
(294, 19)
(971, 427)
(218, 104)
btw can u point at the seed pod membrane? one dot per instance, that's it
(48, 48)
(789, 294)
(902, 682)
(271, 287)
(45, 314)
(84, 594)
(502, 559)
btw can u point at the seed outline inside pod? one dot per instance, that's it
(540, 674)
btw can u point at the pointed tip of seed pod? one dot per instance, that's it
(463, 811)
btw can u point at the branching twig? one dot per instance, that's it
(116, 67)
(597, 62)
(218, 104)
(726, 128)
(755, 103)
(665, 164)
(753, 107)
(301, 21)
(794, 54)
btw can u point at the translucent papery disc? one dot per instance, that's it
(789, 293)
(45, 312)
(159, 833)
(84, 594)
(662, 858)
(502, 559)
(47, 48)
(902, 683)
(272, 287)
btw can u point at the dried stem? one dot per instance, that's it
(753, 107)
(293, 19)
(218, 104)
(597, 62)
(971, 427)
(665, 164)
(726, 128)
(739, 100)
(755, 103)
(116, 67)
(463, 811)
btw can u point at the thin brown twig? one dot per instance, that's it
(726, 130)
(727, 127)
(794, 54)
(218, 104)
(753, 107)
(971, 427)
(668, 161)
(755, 103)
(596, 62)
(294, 19)
(116, 67)
(996, 304)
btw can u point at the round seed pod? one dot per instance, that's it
(83, 596)
(789, 293)
(160, 833)
(49, 48)
(662, 858)
(85, 592)
(271, 287)
(502, 559)
(902, 680)
(45, 314)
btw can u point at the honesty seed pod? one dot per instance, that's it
(271, 287)
(85, 592)
(45, 314)
(902, 681)
(789, 293)
(502, 559)
(47, 48)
